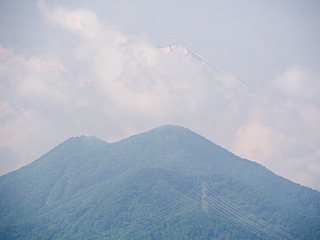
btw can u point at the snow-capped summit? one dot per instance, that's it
(216, 70)
(175, 48)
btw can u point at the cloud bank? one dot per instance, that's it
(111, 85)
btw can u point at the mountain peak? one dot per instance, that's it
(175, 48)
(170, 127)
(83, 141)
(213, 68)
(86, 188)
(170, 132)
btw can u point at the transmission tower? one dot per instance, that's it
(204, 197)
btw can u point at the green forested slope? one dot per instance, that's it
(149, 186)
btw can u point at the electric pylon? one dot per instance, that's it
(204, 197)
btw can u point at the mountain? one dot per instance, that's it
(167, 183)
(212, 69)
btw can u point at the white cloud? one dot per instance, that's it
(283, 130)
(311, 115)
(291, 82)
(297, 84)
(5, 109)
(80, 21)
(112, 85)
(282, 152)
(45, 64)
(255, 141)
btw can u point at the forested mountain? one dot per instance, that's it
(168, 183)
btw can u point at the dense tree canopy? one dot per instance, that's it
(150, 186)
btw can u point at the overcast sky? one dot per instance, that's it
(244, 74)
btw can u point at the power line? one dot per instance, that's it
(227, 215)
(234, 216)
(143, 224)
(247, 217)
(209, 198)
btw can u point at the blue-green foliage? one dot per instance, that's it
(148, 186)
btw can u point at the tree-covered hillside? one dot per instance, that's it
(168, 183)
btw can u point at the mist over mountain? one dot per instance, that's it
(243, 75)
(167, 183)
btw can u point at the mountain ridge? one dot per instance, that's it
(85, 183)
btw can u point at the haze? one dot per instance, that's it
(243, 74)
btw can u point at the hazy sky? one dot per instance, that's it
(244, 74)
